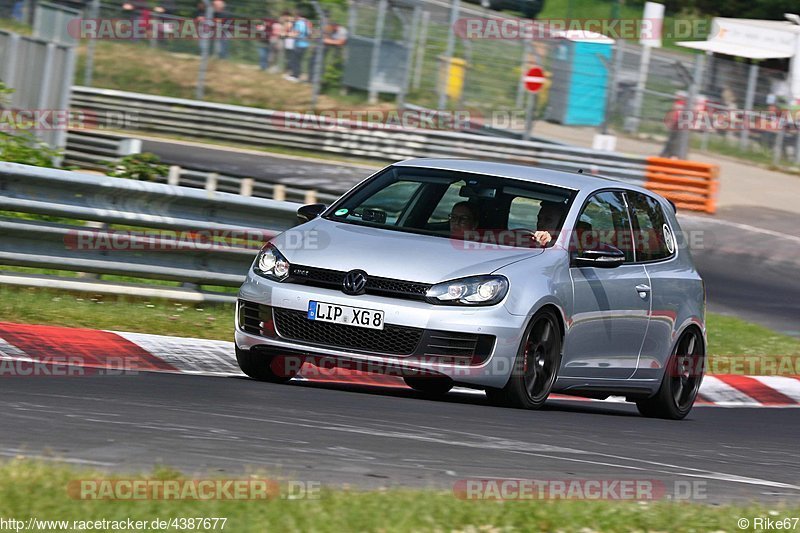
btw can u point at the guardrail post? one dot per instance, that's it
(310, 197)
(211, 182)
(93, 224)
(129, 147)
(174, 176)
(246, 188)
(279, 192)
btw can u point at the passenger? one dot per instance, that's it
(550, 215)
(463, 218)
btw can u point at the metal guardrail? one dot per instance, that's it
(89, 150)
(122, 227)
(258, 127)
(93, 150)
(253, 126)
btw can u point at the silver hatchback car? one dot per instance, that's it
(515, 280)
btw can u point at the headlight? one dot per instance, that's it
(478, 290)
(271, 264)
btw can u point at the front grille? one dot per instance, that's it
(392, 340)
(332, 279)
(446, 347)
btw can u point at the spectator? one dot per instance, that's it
(221, 17)
(287, 42)
(301, 29)
(672, 146)
(334, 37)
(138, 11)
(265, 46)
(276, 45)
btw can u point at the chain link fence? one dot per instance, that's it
(483, 75)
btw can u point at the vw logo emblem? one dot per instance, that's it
(354, 282)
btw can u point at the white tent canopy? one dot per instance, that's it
(757, 40)
(732, 49)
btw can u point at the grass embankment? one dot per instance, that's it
(727, 336)
(34, 489)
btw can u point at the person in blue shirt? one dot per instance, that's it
(298, 38)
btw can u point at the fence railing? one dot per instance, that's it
(257, 127)
(148, 232)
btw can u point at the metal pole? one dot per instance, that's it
(523, 69)
(638, 97)
(204, 49)
(376, 51)
(423, 40)
(448, 54)
(777, 149)
(316, 76)
(748, 103)
(683, 147)
(797, 147)
(9, 68)
(88, 70)
(529, 111)
(60, 141)
(612, 82)
(401, 97)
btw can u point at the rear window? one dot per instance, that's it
(653, 237)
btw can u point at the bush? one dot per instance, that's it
(144, 166)
(22, 146)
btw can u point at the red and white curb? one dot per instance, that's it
(142, 352)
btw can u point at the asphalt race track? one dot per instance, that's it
(369, 437)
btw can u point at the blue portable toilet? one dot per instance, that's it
(577, 94)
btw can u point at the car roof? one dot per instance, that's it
(559, 178)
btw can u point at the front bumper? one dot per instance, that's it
(493, 321)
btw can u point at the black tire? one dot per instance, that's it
(535, 367)
(681, 381)
(434, 386)
(266, 367)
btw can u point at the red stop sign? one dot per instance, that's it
(534, 79)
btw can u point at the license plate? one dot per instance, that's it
(344, 314)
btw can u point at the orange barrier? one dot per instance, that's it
(688, 184)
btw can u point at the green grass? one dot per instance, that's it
(96, 311)
(37, 489)
(728, 337)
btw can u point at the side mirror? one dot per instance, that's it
(606, 257)
(310, 212)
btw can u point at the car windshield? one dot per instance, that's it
(456, 205)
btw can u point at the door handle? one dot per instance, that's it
(643, 290)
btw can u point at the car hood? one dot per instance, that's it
(383, 253)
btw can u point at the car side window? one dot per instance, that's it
(604, 221)
(652, 236)
(523, 213)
